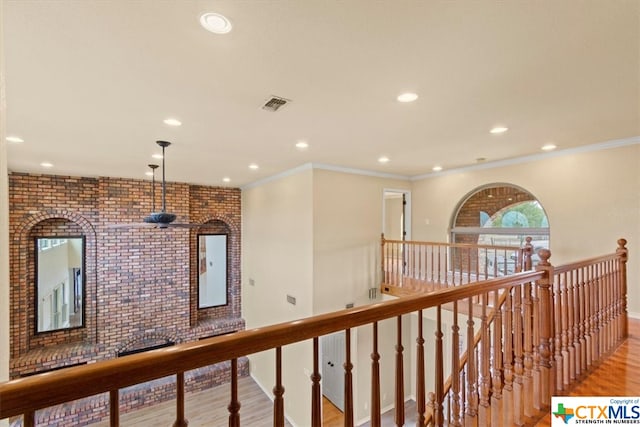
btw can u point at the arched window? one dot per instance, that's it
(500, 214)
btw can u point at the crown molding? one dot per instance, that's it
(614, 143)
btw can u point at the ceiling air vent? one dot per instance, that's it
(274, 103)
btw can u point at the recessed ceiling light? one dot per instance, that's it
(215, 23)
(172, 122)
(156, 156)
(407, 97)
(46, 165)
(437, 168)
(499, 129)
(301, 145)
(226, 179)
(15, 139)
(253, 166)
(383, 159)
(549, 147)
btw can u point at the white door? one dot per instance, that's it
(333, 358)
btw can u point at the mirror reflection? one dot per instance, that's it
(212, 270)
(59, 283)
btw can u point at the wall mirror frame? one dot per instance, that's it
(213, 270)
(59, 283)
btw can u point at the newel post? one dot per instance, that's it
(546, 324)
(623, 254)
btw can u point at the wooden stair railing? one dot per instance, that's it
(587, 321)
(517, 350)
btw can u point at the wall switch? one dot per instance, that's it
(252, 282)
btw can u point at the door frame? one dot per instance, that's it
(406, 210)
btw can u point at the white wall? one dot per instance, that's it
(315, 235)
(277, 259)
(347, 222)
(347, 218)
(591, 200)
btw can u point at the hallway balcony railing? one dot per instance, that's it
(412, 266)
(543, 330)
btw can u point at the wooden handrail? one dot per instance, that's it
(451, 245)
(584, 263)
(31, 393)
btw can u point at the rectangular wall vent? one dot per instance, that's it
(274, 103)
(291, 300)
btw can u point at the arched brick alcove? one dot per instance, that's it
(24, 338)
(217, 224)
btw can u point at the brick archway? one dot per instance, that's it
(228, 226)
(22, 316)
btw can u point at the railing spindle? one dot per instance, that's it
(556, 331)
(528, 353)
(508, 359)
(348, 382)
(439, 360)
(180, 419)
(316, 394)
(518, 367)
(471, 385)
(497, 351)
(420, 377)
(114, 408)
(455, 369)
(564, 336)
(375, 379)
(29, 419)
(234, 405)
(278, 392)
(583, 319)
(399, 412)
(484, 349)
(569, 277)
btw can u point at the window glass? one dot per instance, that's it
(501, 215)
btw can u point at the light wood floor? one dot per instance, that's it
(206, 408)
(333, 417)
(616, 376)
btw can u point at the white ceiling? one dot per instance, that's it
(88, 83)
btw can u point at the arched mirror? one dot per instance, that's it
(59, 283)
(212, 270)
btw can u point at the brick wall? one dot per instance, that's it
(490, 200)
(140, 284)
